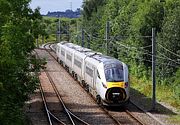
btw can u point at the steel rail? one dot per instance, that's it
(57, 118)
(107, 112)
(127, 112)
(59, 97)
(44, 100)
(45, 105)
(69, 113)
(49, 114)
(134, 117)
(147, 113)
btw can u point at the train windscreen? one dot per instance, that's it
(114, 73)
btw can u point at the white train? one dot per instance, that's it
(104, 77)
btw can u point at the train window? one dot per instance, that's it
(89, 71)
(69, 57)
(113, 65)
(114, 74)
(62, 53)
(77, 63)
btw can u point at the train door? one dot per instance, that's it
(98, 81)
(89, 75)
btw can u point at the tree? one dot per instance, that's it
(169, 41)
(16, 45)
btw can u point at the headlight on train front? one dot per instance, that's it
(126, 84)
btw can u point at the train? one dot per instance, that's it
(104, 77)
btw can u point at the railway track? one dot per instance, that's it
(66, 116)
(129, 116)
(50, 115)
(134, 117)
(147, 113)
(123, 116)
(75, 120)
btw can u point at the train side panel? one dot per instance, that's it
(90, 72)
(79, 64)
(58, 50)
(69, 57)
(101, 87)
(62, 53)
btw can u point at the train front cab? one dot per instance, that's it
(116, 94)
(116, 87)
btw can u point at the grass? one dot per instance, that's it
(164, 93)
(175, 119)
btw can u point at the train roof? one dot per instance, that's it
(95, 55)
(105, 59)
(77, 47)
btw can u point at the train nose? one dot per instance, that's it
(115, 94)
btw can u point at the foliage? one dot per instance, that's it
(18, 30)
(91, 6)
(68, 28)
(131, 23)
(169, 39)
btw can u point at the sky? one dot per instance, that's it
(55, 5)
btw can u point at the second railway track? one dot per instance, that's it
(64, 116)
(75, 120)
